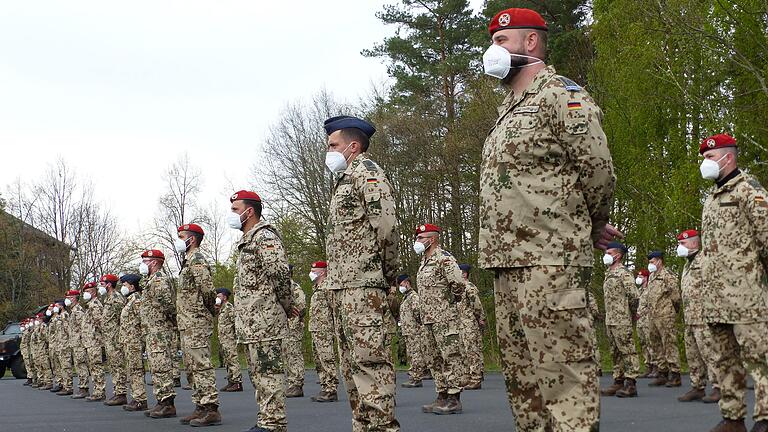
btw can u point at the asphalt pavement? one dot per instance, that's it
(24, 409)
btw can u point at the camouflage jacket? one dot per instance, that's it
(90, 327)
(362, 235)
(471, 307)
(410, 319)
(262, 286)
(196, 296)
(320, 315)
(734, 238)
(663, 294)
(157, 307)
(691, 288)
(113, 307)
(619, 292)
(131, 331)
(76, 317)
(546, 179)
(441, 286)
(296, 324)
(226, 322)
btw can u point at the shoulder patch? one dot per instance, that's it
(570, 84)
(446, 253)
(370, 165)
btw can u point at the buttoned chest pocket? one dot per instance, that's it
(346, 205)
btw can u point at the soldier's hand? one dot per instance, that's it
(609, 234)
(294, 312)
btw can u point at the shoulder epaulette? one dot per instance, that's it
(371, 165)
(570, 84)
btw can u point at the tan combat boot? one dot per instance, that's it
(441, 397)
(451, 405)
(117, 400)
(294, 392)
(135, 405)
(412, 384)
(164, 409)
(728, 425)
(713, 397)
(618, 384)
(477, 385)
(661, 379)
(197, 413)
(81, 394)
(325, 396)
(629, 390)
(210, 417)
(692, 395)
(674, 380)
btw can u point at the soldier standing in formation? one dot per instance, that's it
(228, 340)
(113, 302)
(663, 305)
(472, 326)
(292, 344)
(76, 317)
(91, 335)
(130, 337)
(643, 325)
(412, 331)
(321, 327)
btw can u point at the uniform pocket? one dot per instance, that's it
(366, 334)
(567, 299)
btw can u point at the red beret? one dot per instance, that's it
(39, 315)
(245, 195)
(644, 272)
(109, 278)
(191, 227)
(716, 142)
(319, 264)
(152, 253)
(517, 18)
(427, 228)
(71, 293)
(687, 234)
(89, 285)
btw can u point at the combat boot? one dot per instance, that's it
(55, 388)
(117, 400)
(47, 387)
(64, 392)
(451, 405)
(692, 395)
(135, 405)
(81, 394)
(441, 397)
(654, 373)
(232, 387)
(199, 412)
(618, 384)
(648, 372)
(674, 380)
(661, 379)
(629, 390)
(728, 425)
(95, 398)
(29, 382)
(760, 426)
(412, 384)
(477, 385)
(713, 397)
(35, 384)
(294, 392)
(177, 382)
(325, 396)
(210, 417)
(164, 409)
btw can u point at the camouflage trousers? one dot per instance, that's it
(644, 334)
(415, 353)
(472, 350)
(195, 343)
(55, 365)
(43, 365)
(80, 359)
(161, 364)
(547, 347)
(698, 351)
(360, 318)
(735, 346)
(293, 354)
(116, 363)
(231, 360)
(623, 351)
(134, 369)
(175, 349)
(325, 361)
(443, 341)
(65, 362)
(29, 363)
(664, 330)
(267, 374)
(96, 369)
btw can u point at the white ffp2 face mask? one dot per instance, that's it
(124, 291)
(180, 246)
(682, 251)
(56, 309)
(607, 259)
(48, 313)
(419, 247)
(403, 289)
(497, 61)
(235, 221)
(218, 301)
(335, 161)
(87, 296)
(312, 276)
(143, 269)
(102, 290)
(710, 169)
(652, 268)
(638, 281)
(67, 302)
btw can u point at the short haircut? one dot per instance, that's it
(198, 237)
(355, 134)
(255, 205)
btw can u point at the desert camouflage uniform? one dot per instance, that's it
(663, 295)
(45, 372)
(157, 309)
(472, 314)
(413, 333)
(293, 353)
(619, 293)
(264, 299)
(90, 333)
(113, 307)
(53, 351)
(64, 349)
(79, 355)
(546, 191)
(26, 353)
(698, 338)
(734, 261)
(649, 345)
(362, 264)
(130, 336)
(322, 330)
(228, 341)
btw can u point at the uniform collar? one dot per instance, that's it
(729, 179)
(541, 78)
(247, 237)
(352, 166)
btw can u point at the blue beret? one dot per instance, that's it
(131, 278)
(59, 301)
(617, 245)
(346, 122)
(465, 267)
(402, 277)
(656, 254)
(224, 291)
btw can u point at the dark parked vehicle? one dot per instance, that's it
(10, 351)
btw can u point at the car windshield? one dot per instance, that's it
(12, 329)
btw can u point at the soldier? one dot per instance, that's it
(195, 301)
(734, 249)
(292, 344)
(620, 297)
(643, 324)
(63, 350)
(362, 264)
(663, 305)
(53, 338)
(441, 287)
(25, 351)
(44, 353)
(472, 326)
(157, 310)
(264, 303)
(90, 333)
(113, 302)
(79, 356)
(698, 339)
(321, 327)
(228, 340)
(412, 332)
(546, 192)
(130, 337)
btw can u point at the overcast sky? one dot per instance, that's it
(121, 89)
